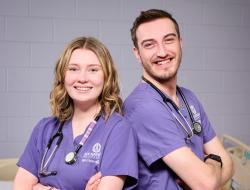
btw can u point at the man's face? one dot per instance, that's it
(159, 49)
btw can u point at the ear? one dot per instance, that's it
(137, 54)
(181, 43)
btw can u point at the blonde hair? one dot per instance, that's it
(61, 103)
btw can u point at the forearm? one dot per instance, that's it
(111, 183)
(196, 173)
(24, 180)
(215, 147)
(40, 186)
(227, 171)
(215, 173)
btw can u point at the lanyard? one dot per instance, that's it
(71, 157)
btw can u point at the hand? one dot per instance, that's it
(39, 186)
(94, 181)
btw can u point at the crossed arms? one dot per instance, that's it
(197, 174)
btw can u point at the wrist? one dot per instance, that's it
(214, 158)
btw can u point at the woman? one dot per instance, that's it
(87, 126)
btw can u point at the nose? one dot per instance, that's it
(82, 77)
(161, 50)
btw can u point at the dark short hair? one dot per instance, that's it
(150, 15)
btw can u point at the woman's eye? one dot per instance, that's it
(72, 69)
(94, 69)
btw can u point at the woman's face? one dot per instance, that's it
(84, 77)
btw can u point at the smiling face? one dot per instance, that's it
(159, 49)
(84, 77)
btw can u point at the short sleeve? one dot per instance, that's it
(31, 156)
(120, 154)
(209, 132)
(156, 130)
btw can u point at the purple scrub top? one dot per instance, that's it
(159, 133)
(111, 148)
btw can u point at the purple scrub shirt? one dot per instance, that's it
(159, 134)
(111, 148)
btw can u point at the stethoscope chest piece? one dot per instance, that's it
(70, 158)
(197, 129)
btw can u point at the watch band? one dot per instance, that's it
(214, 157)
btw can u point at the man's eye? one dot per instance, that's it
(148, 45)
(169, 40)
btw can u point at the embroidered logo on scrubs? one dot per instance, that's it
(97, 147)
(195, 114)
(93, 156)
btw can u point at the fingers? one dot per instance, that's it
(94, 186)
(94, 181)
(95, 177)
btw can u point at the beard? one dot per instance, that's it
(165, 75)
(161, 78)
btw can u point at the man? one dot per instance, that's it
(177, 145)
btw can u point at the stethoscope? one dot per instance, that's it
(71, 157)
(195, 127)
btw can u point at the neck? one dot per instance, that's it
(82, 117)
(169, 87)
(86, 112)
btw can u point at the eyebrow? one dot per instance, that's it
(90, 65)
(166, 36)
(170, 34)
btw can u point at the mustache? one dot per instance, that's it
(163, 59)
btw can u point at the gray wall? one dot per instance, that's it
(216, 35)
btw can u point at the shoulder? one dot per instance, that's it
(142, 92)
(45, 124)
(46, 121)
(186, 91)
(193, 101)
(142, 100)
(189, 94)
(115, 120)
(116, 123)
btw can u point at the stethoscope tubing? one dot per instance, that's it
(167, 100)
(59, 135)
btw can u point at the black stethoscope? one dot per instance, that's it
(71, 157)
(195, 127)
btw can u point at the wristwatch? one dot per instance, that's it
(214, 157)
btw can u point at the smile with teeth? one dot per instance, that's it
(164, 61)
(83, 89)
